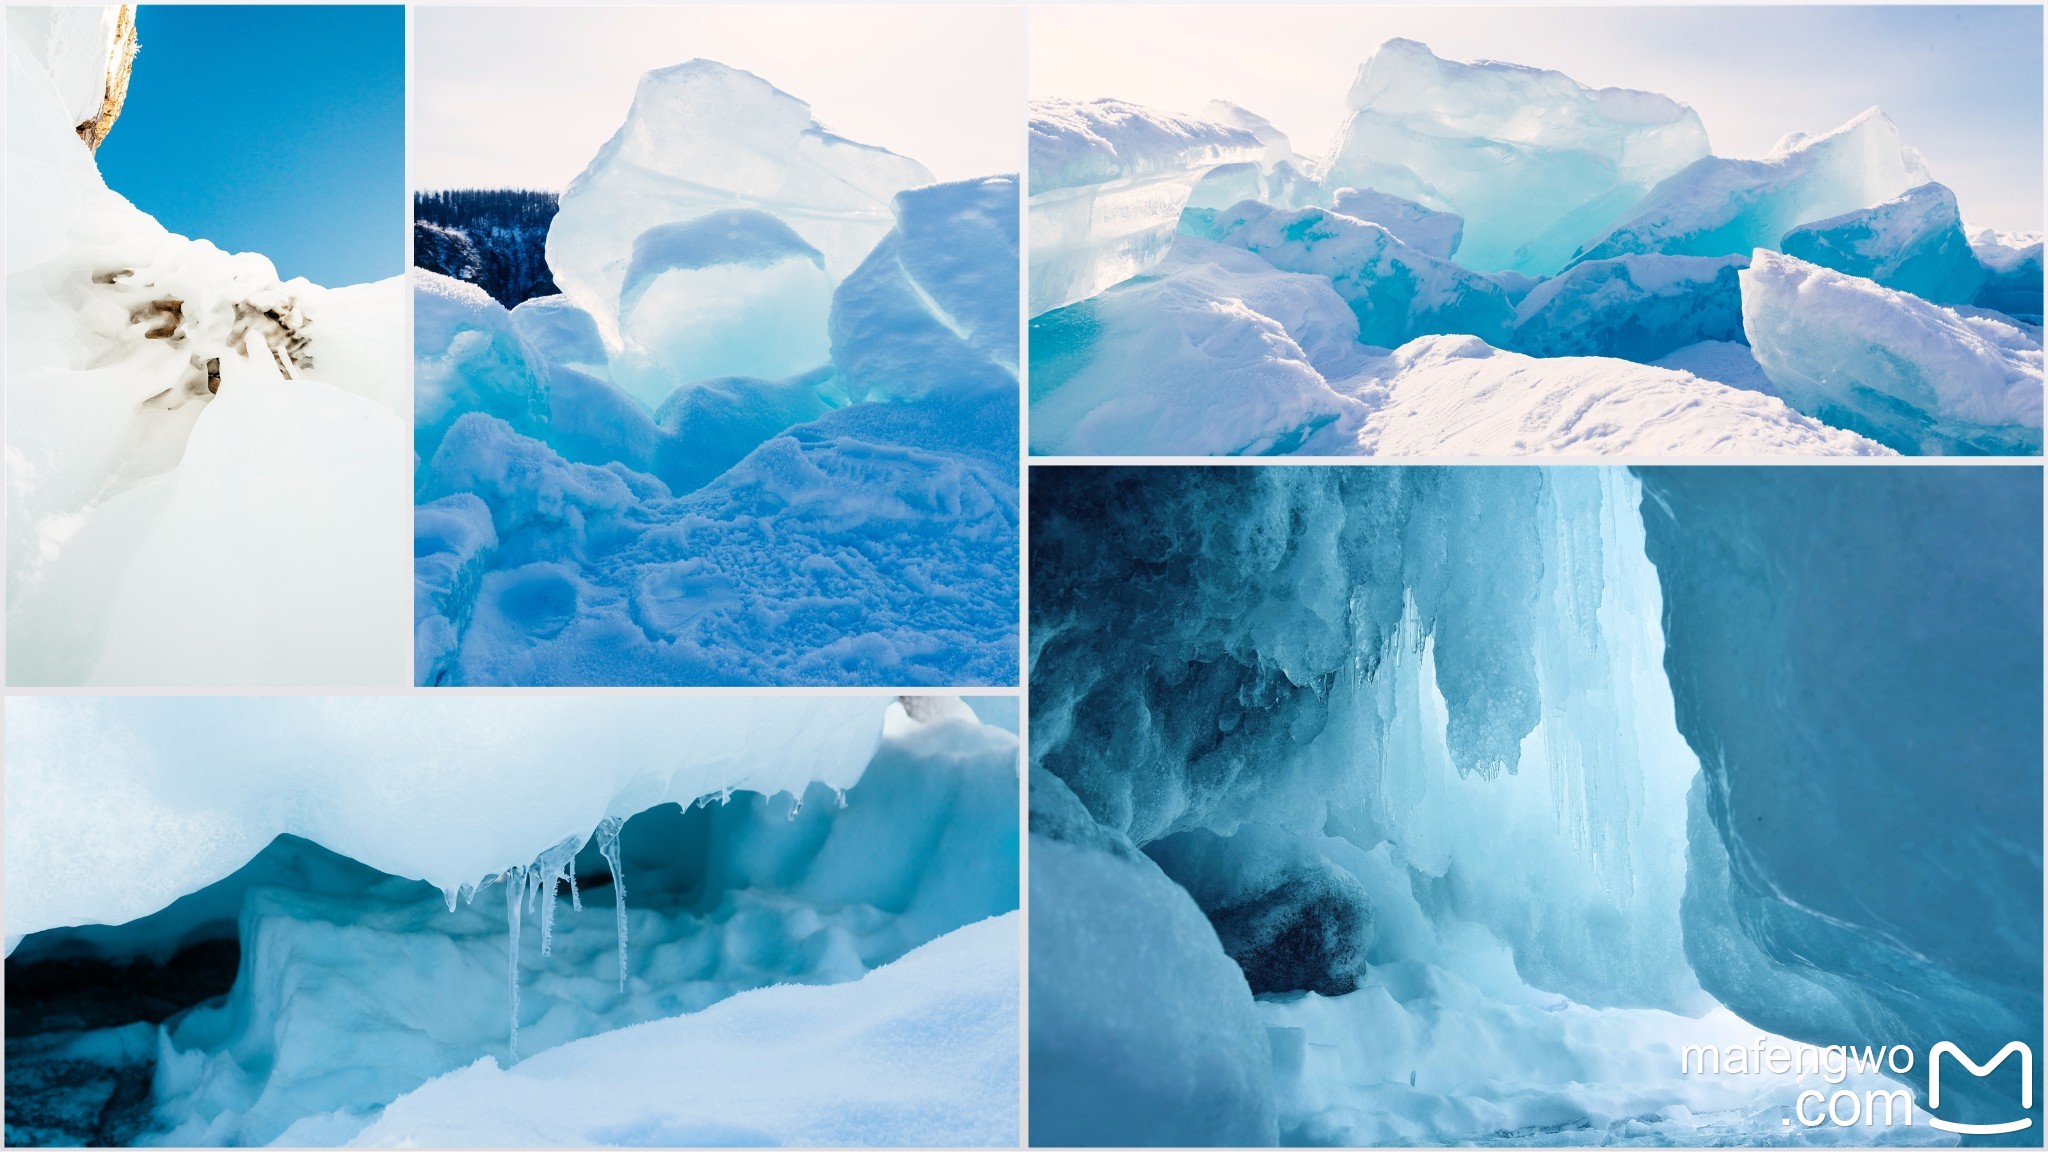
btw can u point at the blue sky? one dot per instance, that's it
(273, 129)
(1962, 82)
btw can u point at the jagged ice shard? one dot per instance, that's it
(1499, 785)
(1108, 182)
(1913, 242)
(181, 417)
(703, 139)
(1720, 206)
(1533, 160)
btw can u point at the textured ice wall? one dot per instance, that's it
(1533, 160)
(1856, 654)
(1395, 654)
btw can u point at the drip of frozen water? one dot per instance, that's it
(515, 894)
(608, 845)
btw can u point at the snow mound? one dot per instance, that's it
(1632, 307)
(1722, 207)
(921, 1052)
(1108, 181)
(1533, 160)
(1912, 375)
(1913, 243)
(180, 418)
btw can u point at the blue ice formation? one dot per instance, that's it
(2012, 273)
(1397, 292)
(1498, 786)
(767, 435)
(1719, 207)
(1913, 242)
(1884, 690)
(1108, 182)
(307, 995)
(1912, 375)
(1633, 307)
(1574, 227)
(1424, 229)
(1533, 160)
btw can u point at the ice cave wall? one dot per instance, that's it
(1253, 690)
(1856, 655)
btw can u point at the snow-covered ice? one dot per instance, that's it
(1720, 206)
(1913, 242)
(1913, 375)
(1632, 307)
(179, 417)
(1566, 235)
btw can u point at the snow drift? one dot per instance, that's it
(179, 418)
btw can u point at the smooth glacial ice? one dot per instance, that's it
(1108, 180)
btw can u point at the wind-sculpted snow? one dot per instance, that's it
(1722, 207)
(825, 838)
(1108, 182)
(179, 417)
(1485, 850)
(1424, 229)
(1397, 292)
(703, 138)
(1533, 160)
(1636, 308)
(2012, 272)
(1856, 654)
(1913, 243)
(1912, 375)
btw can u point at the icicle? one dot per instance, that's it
(608, 846)
(449, 895)
(796, 805)
(575, 897)
(515, 895)
(839, 794)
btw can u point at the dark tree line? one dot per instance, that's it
(494, 238)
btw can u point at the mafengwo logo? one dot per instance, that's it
(1846, 1108)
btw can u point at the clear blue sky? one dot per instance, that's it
(277, 129)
